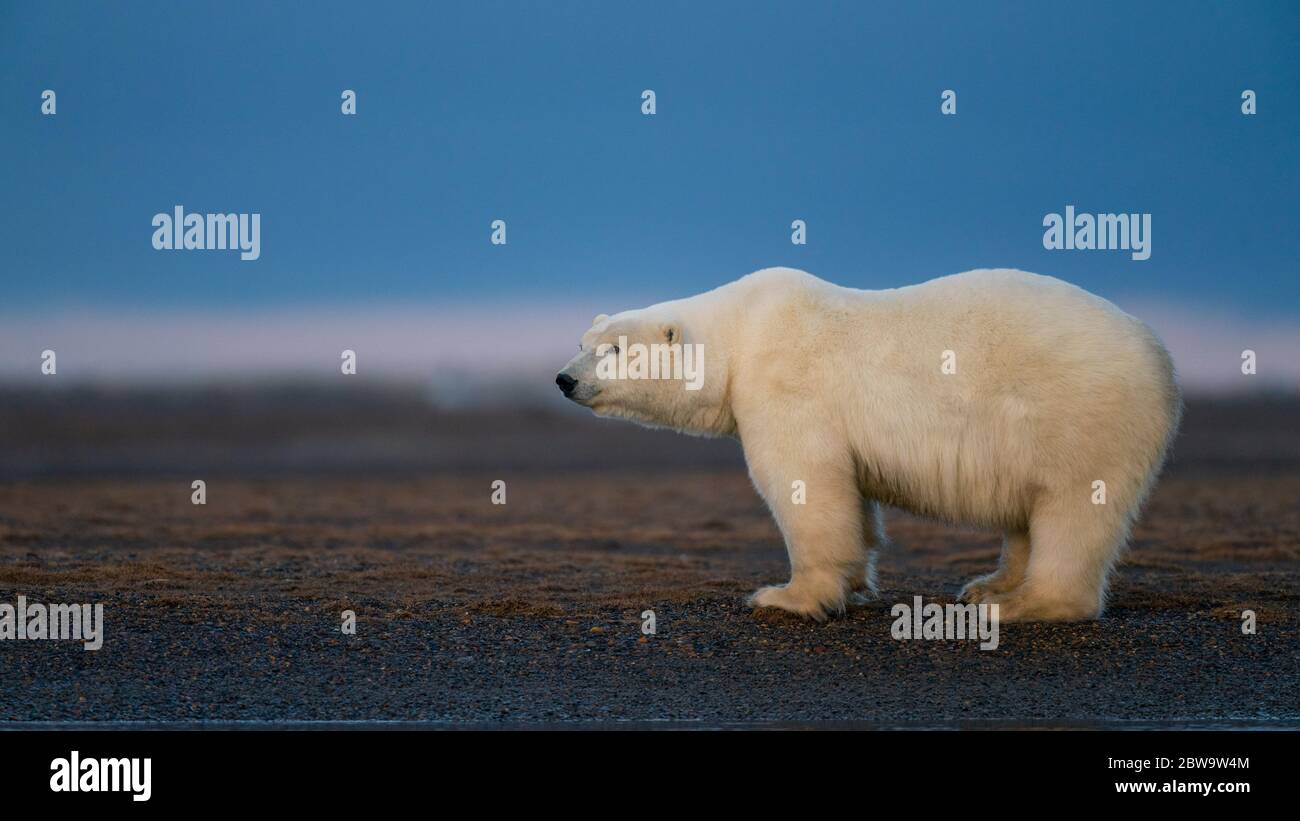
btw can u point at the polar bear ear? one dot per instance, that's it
(599, 319)
(670, 331)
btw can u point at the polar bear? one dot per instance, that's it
(995, 398)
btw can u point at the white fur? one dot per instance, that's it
(1054, 389)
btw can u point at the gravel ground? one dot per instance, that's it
(530, 613)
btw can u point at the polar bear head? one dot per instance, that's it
(652, 367)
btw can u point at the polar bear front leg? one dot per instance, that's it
(825, 533)
(1008, 576)
(863, 586)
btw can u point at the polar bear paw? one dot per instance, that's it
(812, 601)
(1021, 605)
(859, 599)
(985, 589)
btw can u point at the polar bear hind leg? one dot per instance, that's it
(1073, 544)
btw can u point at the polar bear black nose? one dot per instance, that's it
(567, 383)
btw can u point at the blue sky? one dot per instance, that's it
(530, 112)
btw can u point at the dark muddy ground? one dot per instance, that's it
(530, 612)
